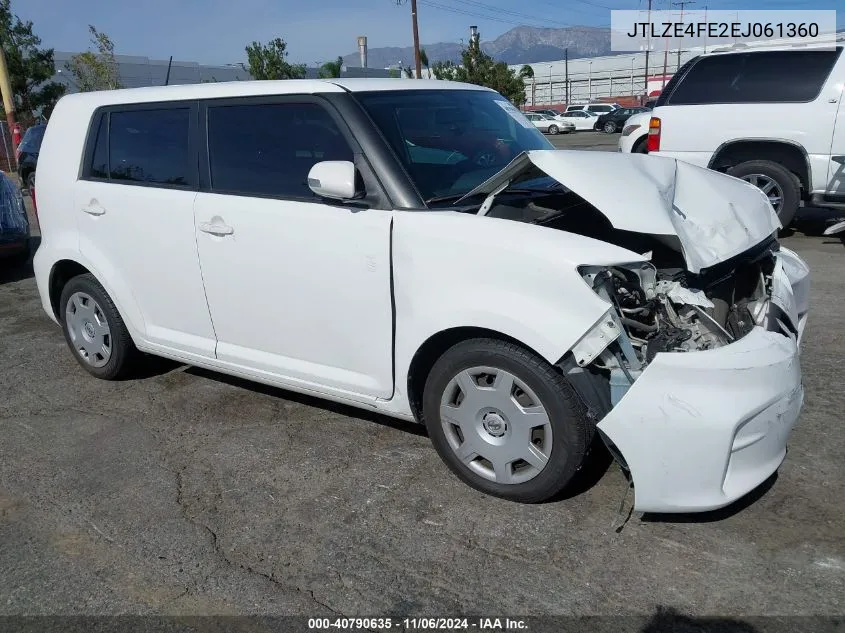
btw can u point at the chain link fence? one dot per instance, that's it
(7, 153)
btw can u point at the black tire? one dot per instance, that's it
(785, 179)
(572, 433)
(553, 129)
(30, 182)
(641, 146)
(123, 352)
(609, 127)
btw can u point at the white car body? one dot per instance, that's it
(322, 298)
(634, 133)
(546, 123)
(804, 133)
(595, 108)
(581, 119)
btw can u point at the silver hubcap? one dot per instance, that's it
(89, 329)
(496, 425)
(769, 187)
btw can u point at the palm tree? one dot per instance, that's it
(424, 62)
(331, 70)
(526, 72)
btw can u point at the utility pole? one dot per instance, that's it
(8, 99)
(647, 48)
(705, 33)
(417, 61)
(566, 71)
(681, 4)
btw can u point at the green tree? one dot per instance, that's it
(526, 72)
(269, 61)
(479, 68)
(330, 70)
(96, 70)
(444, 70)
(30, 68)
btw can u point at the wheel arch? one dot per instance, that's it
(434, 347)
(791, 155)
(65, 269)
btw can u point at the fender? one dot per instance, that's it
(454, 270)
(93, 260)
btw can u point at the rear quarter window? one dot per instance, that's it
(755, 77)
(147, 145)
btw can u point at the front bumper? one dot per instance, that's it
(699, 430)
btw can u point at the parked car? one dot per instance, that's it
(548, 124)
(774, 116)
(552, 113)
(635, 134)
(614, 121)
(581, 119)
(14, 225)
(515, 309)
(28, 154)
(595, 108)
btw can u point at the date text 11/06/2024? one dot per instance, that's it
(723, 29)
(480, 625)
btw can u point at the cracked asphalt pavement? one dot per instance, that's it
(186, 492)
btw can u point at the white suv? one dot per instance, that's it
(771, 116)
(419, 248)
(595, 108)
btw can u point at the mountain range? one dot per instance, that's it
(520, 45)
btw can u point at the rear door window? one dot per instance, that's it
(794, 76)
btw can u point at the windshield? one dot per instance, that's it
(450, 141)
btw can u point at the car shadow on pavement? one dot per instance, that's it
(311, 401)
(669, 620)
(813, 221)
(714, 515)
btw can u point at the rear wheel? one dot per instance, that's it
(640, 147)
(779, 184)
(504, 421)
(609, 127)
(94, 329)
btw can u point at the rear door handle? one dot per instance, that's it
(93, 208)
(216, 229)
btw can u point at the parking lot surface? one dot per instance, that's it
(187, 492)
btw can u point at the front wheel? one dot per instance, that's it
(505, 421)
(553, 129)
(779, 184)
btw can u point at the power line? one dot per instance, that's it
(517, 20)
(516, 14)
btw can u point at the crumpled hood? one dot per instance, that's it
(714, 216)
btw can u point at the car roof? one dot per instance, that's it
(768, 48)
(222, 89)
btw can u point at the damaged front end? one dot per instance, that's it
(692, 375)
(693, 380)
(658, 310)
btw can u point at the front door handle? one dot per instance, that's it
(216, 228)
(94, 208)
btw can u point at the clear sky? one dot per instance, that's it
(216, 31)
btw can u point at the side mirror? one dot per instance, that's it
(336, 179)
